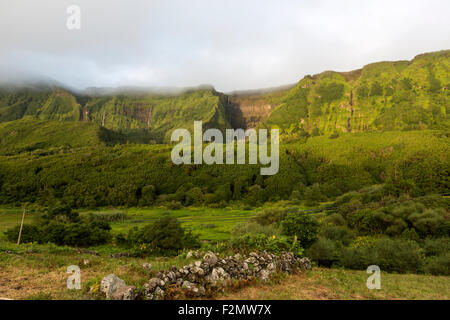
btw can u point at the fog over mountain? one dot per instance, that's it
(232, 45)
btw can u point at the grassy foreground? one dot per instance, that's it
(39, 272)
(326, 284)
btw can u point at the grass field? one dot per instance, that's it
(326, 284)
(33, 271)
(209, 224)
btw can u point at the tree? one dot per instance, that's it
(302, 226)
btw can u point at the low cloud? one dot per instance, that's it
(231, 45)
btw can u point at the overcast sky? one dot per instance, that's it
(229, 44)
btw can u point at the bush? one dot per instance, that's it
(436, 247)
(336, 233)
(79, 234)
(76, 234)
(313, 195)
(260, 242)
(336, 219)
(323, 252)
(30, 233)
(84, 235)
(163, 237)
(439, 265)
(302, 226)
(355, 258)
(397, 255)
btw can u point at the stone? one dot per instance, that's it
(305, 263)
(210, 258)
(147, 266)
(124, 293)
(110, 284)
(153, 283)
(158, 294)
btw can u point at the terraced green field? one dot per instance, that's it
(209, 224)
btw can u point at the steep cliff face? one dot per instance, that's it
(398, 95)
(148, 114)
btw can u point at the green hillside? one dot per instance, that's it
(137, 115)
(27, 135)
(402, 95)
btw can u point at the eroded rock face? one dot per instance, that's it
(110, 284)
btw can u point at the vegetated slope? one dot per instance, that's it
(401, 95)
(28, 134)
(414, 162)
(144, 117)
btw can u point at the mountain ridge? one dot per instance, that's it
(385, 95)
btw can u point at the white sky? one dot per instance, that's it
(229, 44)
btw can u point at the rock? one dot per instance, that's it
(271, 266)
(217, 274)
(153, 283)
(171, 276)
(86, 261)
(210, 258)
(124, 293)
(194, 289)
(187, 285)
(110, 284)
(158, 294)
(264, 275)
(199, 271)
(305, 263)
(189, 255)
(147, 266)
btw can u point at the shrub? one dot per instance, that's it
(194, 196)
(323, 252)
(313, 195)
(431, 222)
(337, 233)
(76, 234)
(261, 242)
(436, 247)
(336, 219)
(173, 205)
(84, 235)
(397, 255)
(163, 237)
(438, 265)
(355, 258)
(302, 226)
(30, 233)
